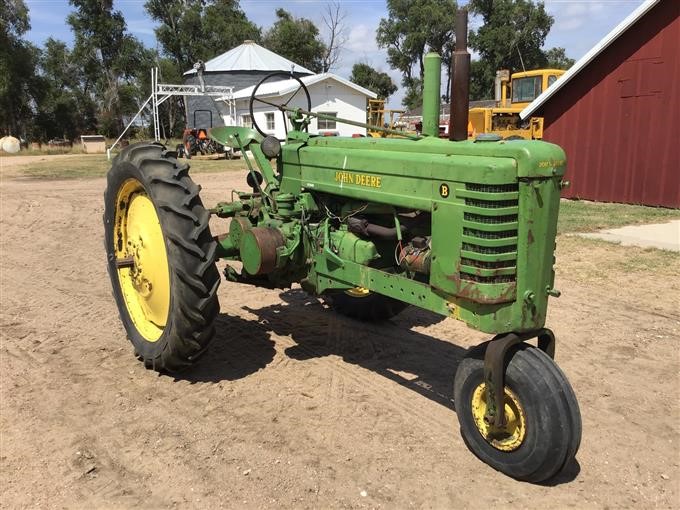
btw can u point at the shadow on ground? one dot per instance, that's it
(240, 348)
(416, 361)
(568, 474)
(421, 363)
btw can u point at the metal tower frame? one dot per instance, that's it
(161, 92)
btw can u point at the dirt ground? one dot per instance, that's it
(293, 406)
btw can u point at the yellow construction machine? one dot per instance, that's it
(513, 93)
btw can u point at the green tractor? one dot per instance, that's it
(465, 229)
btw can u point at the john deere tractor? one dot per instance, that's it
(465, 229)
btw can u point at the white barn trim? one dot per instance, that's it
(588, 57)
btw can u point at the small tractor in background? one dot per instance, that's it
(197, 141)
(194, 141)
(463, 228)
(514, 93)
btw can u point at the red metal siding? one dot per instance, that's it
(618, 119)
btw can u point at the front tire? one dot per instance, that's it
(161, 257)
(543, 430)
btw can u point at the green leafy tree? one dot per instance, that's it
(226, 26)
(367, 77)
(189, 31)
(112, 62)
(171, 112)
(411, 29)
(180, 33)
(296, 39)
(511, 36)
(193, 30)
(557, 59)
(64, 110)
(20, 85)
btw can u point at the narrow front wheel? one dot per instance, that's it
(543, 422)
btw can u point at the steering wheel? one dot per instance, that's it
(282, 106)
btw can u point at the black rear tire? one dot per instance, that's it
(369, 307)
(552, 417)
(190, 250)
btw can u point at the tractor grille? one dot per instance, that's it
(477, 218)
(490, 205)
(491, 188)
(489, 248)
(487, 265)
(489, 235)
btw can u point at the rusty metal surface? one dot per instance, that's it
(267, 240)
(494, 377)
(125, 262)
(460, 83)
(546, 342)
(494, 368)
(618, 119)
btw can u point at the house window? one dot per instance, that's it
(327, 124)
(246, 121)
(270, 121)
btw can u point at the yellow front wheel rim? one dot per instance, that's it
(145, 277)
(506, 438)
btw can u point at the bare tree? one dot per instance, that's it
(334, 19)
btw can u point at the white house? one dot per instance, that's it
(238, 68)
(245, 66)
(329, 94)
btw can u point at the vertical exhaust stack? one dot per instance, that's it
(460, 84)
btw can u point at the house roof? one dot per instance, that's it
(250, 56)
(283, 87)
(589, 57)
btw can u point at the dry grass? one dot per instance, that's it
(87, 166)
(76, 148)
(45, 151)
(582, 216)
(596, 260)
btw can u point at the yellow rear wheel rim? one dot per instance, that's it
(358, 292)
(506, 438)
(145, 285)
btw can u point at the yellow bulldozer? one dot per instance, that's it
(513, 93)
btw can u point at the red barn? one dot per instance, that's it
(616, 112)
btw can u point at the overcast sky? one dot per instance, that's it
(579, 25)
